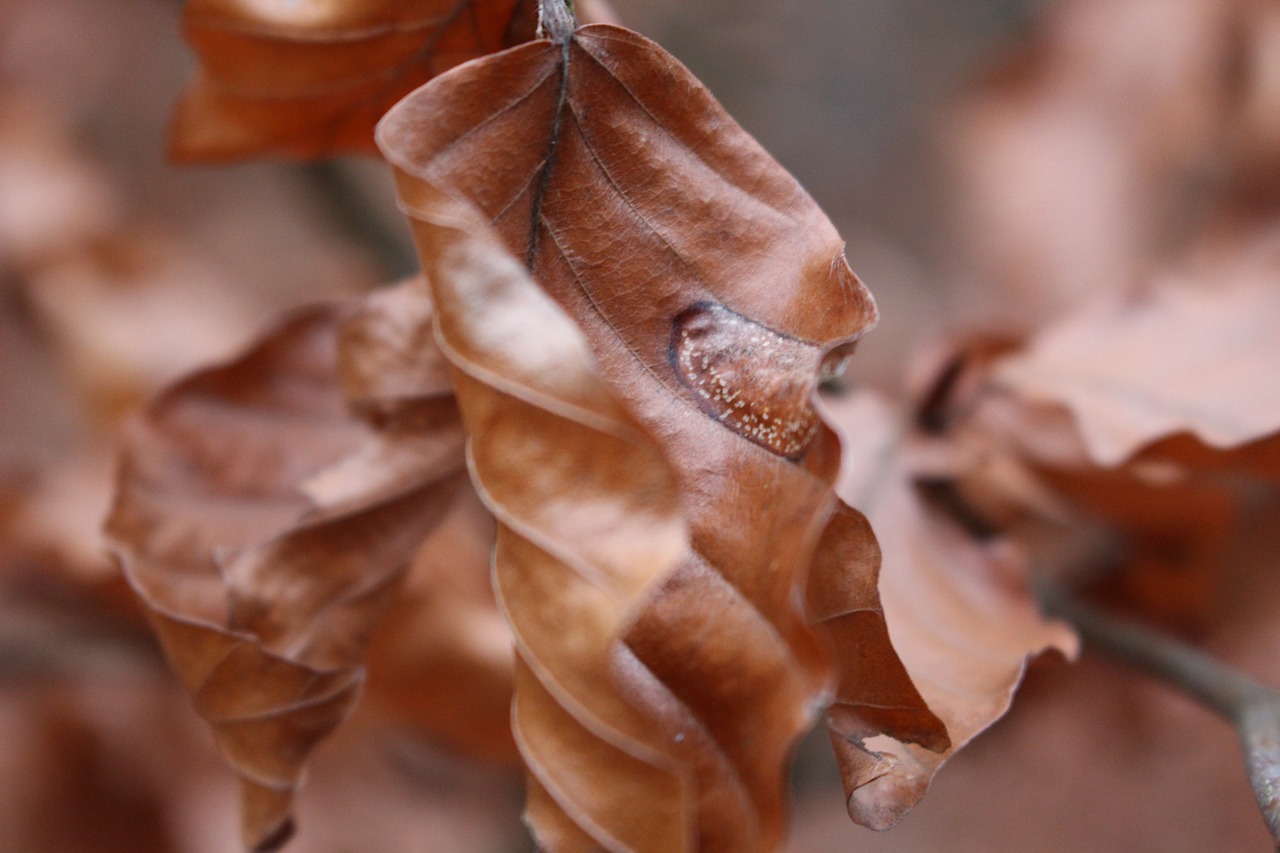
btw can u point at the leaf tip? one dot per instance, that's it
(883, 779)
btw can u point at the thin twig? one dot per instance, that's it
(1252, 707)
(1249, 705)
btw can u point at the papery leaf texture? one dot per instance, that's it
(874, 692)
(960, 615)
(709, 294)
(312, 78)
(264, 527)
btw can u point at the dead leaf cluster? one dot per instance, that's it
(1112, 447)
(645, 426)
(636, 406)
(573, 497)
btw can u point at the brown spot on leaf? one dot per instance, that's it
(753, 380)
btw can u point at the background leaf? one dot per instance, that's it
(1191, 356)
(263, 527)
(441, 661)
(311, 78)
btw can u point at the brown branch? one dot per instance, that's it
(40, 646)
(1252, 707)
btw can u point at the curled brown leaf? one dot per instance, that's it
(959, 611)
(588, 526)
(263, 527)
(441, 662)
(713, 294)
(1192, 356)
(874, 693)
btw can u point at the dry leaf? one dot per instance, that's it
(1150, 533)
(959, 612)
(712, 293)
(588, 525)
(312, 78)
(1195, 355)
(264, 527)
(1257, 459)
(389, 358)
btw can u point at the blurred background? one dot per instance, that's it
(963, 147)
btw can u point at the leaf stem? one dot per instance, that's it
(1252, 707)
(556, 20)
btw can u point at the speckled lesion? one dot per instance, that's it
(748, 377)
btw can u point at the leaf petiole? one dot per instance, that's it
(556, 20)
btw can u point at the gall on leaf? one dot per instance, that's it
(264, 528)
(717, 353)
(600, 170)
